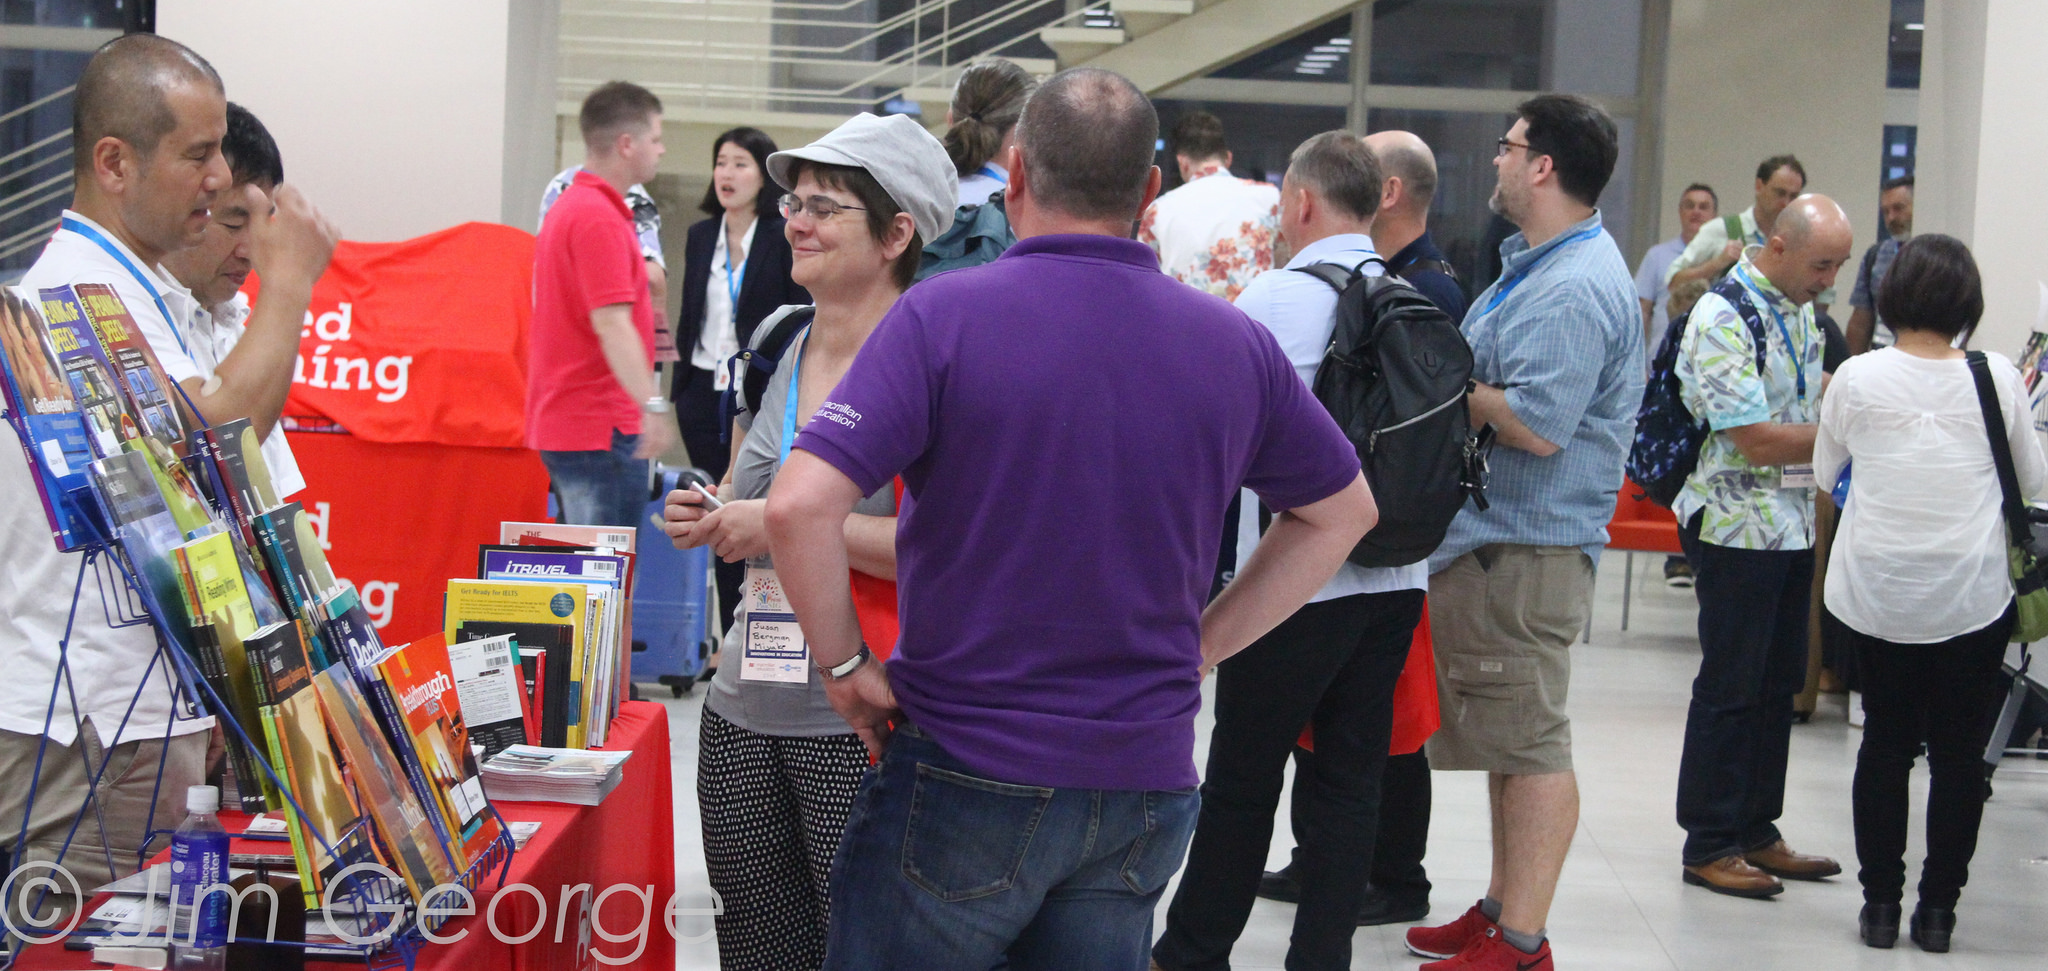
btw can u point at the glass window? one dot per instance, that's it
(1901, 146)
(26, 76)
(1496, 44)
(1321, 53)
(69, 13)
(1260, 136)
(1909, 26)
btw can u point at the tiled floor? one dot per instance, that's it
(1620, 905)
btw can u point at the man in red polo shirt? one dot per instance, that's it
(593, 409)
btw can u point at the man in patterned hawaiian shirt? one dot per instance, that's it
(1747, 527)
(1215, 232)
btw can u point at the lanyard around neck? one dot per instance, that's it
(1791, 351)
(140, 277)
(1509, 282)
(991, 172)
(733, 279)
(796, 383)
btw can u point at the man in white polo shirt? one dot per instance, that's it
(146, 141)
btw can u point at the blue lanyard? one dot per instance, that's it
(140, 277)
(796, 382)
(1508, 283)
(990, 171)
(1792, 351)
(733, 284)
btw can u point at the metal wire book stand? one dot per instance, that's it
(370, 906)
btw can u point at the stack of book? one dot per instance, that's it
(368, 751)
(560, 597)
(529, 773)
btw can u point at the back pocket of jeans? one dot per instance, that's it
(966, 837)
(1157, 853)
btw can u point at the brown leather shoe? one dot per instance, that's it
(1733, 876)
(1780, 860)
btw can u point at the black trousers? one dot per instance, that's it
(1940, 695)
(1738, 731)
(697, 417)
(1332, 665)
(1402, 837)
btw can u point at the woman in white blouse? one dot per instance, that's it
(1919, 575)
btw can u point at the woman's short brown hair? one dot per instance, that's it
(881, 210)
(1932, 285)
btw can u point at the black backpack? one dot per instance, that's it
(1395, 379)
(1666, 449)
(749, 370)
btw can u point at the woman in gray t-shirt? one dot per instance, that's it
(777, 767)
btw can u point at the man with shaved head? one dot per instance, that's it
(1749, 365)
(1402, 228)
(1038, 790)
(146, 139)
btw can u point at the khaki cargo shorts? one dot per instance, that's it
(1504, 618)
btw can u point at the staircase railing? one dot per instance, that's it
(809, 56)
(32, 177)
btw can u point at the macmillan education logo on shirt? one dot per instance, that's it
(833, 411)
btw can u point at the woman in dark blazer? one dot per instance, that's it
(745, 233)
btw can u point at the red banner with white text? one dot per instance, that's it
(422, 340)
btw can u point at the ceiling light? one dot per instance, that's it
(1916, 26)
(1324, 60)
(1341, 41)
(1328, 49)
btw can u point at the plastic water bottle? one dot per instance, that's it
(199, 859)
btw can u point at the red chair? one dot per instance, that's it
(1639, 526)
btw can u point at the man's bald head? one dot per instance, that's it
(1405, 156)
(123, 94)
(1811, 218)
(1809, 244)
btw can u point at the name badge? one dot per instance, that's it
(721, 377)
(772, 646)
(1797, 477)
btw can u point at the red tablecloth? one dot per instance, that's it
(628, 843)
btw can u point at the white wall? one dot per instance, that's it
(1748, 79)
(1983, 136)
(391, 114)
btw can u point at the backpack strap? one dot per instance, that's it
(748, 371)
(1336, 275)
(1737, 295)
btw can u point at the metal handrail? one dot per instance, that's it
(32, 146)
(964, 31)
(29, 238)
(879, 71)
(39, 102)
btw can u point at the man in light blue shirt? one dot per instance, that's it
(1332, 665)
(1697, 205)
(1557, 350)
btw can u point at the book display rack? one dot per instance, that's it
(268, 643)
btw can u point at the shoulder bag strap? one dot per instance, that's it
(2001, 449)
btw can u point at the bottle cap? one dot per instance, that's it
(202, 799)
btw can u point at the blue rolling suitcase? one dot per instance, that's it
(672, 600)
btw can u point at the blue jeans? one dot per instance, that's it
(600, 487)
(942, 870)
(1738, 732)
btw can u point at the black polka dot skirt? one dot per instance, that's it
(774, 808)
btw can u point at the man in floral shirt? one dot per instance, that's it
(1216, 231)
(1746, 518)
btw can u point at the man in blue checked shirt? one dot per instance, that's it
(1557, 346)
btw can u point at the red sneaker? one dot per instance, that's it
(1446, 941)
(1492, 952)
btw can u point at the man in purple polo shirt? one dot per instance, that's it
(1069, 424)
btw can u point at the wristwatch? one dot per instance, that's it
(847, 667)
(656, 405)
